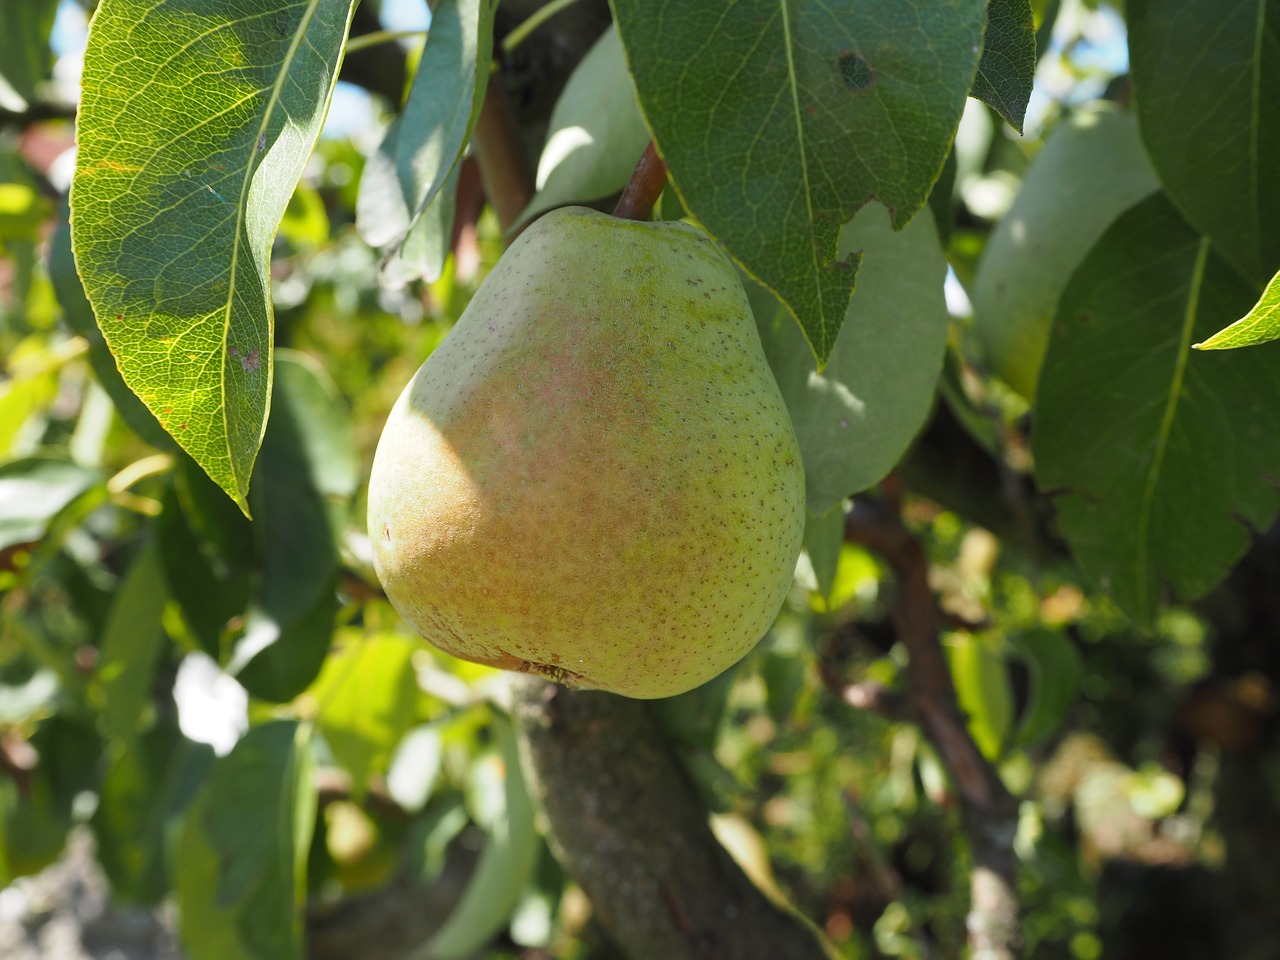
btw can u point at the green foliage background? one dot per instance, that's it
(199, 353)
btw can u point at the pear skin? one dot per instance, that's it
(594, 477)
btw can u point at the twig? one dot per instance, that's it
(540, 16)
(644, 188)
(990, 811)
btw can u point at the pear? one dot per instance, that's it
(594, 477)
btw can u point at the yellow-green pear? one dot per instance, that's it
(594, 477)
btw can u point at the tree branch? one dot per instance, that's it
(631, 830)
(504, 166)
(990, 811)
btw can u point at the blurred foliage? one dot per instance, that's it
(145, 625)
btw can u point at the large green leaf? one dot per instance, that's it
(1259, 325)
(1164, 459)
(1007, 69)
(145, 791)
(241, 868)
(1207, 77)
(856, 418)
(426, 141)
(25, 56)
(195, 124)
(779, 120)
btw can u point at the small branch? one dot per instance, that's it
(644, 188)
(990, 811)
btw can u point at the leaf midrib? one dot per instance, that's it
(1147, 505)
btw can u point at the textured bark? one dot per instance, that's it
(630, 829)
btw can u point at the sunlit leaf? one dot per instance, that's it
(172, 224)
(1259, 325)
(368, 698)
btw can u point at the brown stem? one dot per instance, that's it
(990, 811)
(644, 188)
(630, 828)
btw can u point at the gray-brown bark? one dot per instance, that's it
(628, 826)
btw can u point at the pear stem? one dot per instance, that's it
(644, 188)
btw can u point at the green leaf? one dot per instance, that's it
(145, 792)
(779, 121)
(596, 135)
(79, 317)
(856, 418)
(1056, 669)
(368, 698)
(424, 144)
(1007, 69)
(241, 867)
(1207, 78)
(982, 687)
(305, 478)
(505, 869)
(1259, 325)
(209, 580)
(823, 538)
(425, 249)
(130, 645)
(1164, 459)
(35, 490)
(1091, 169)
(172, 225)
(25, 56)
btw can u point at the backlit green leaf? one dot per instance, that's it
(1207, 80)
(368, 699)
(1259, 325)
(779, 120)
(1163, 459)
(172, 223)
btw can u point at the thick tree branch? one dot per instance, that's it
(629, 827)
(990, 812)
(504, 166)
